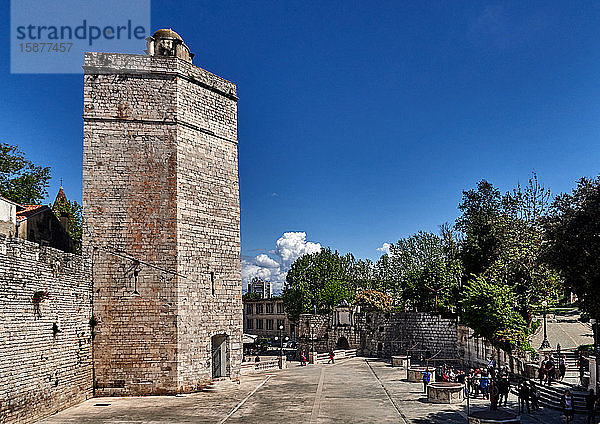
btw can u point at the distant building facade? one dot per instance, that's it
(8, 217)
(262, 288)
(263, 318)
(36, 223)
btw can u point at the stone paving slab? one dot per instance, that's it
(567, 331)
(357, 390)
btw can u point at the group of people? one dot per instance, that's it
(528, 394)
(303, 357)
(488, 382)
(491, 383)
(250, 359)
(548, 372)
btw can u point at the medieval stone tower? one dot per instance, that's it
(162, 220)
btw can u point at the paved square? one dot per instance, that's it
(357, 390)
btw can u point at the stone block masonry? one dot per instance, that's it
(162, 223)
(45, 347)
(381, 334)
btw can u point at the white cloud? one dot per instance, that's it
(385, 248)
(292, 245)
(264, 261)
(289, 247)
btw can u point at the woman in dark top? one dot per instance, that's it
(567, 406)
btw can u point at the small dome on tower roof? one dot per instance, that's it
(167, 33)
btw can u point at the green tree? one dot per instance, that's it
(319, 281)
(482, 237)
(250, 296)
(72, 210)
(573, 242)
(20, 180)
(425, 270)
(385, 279)
(502, 239)
(489, 309)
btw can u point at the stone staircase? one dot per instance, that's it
(572, 374)
(551, 396)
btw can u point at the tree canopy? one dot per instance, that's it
(20, 180)
(489, 308)
(502, 240)
(72, 210)
(506, 253)
(319, 281)
(573, 242)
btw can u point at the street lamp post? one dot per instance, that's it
(312, 337)
(280, 341)
(594, 323)
(545, 342)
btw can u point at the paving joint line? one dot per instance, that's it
(406, 420)
(314, 415)
(239, 405)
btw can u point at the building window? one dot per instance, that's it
(259, 308)
(280, 308)
(212, 283)
(280, 323)
(250, 324)
(249, 309)
(259, 324)
(269, 324)
(269, 308)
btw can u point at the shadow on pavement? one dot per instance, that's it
(449, 417)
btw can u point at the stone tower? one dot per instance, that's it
(162, 220)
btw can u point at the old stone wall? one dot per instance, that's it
(45, 351)
(418, 334)
(208, 235)
(161, 214)
(475, 352)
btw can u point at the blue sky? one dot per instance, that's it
(360, 123)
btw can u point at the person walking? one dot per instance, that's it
(303, 359)
(331, 357)
(562, 367)
(590, 406)
(524, 397)
(542, 370)
(484, 383)
(477, 383)
(567, 406)
(504, 389)
(494, 394)
(534, 397)
(582, 366)
(426, 379)
(550, 371)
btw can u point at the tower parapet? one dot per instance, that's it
(166, 42)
